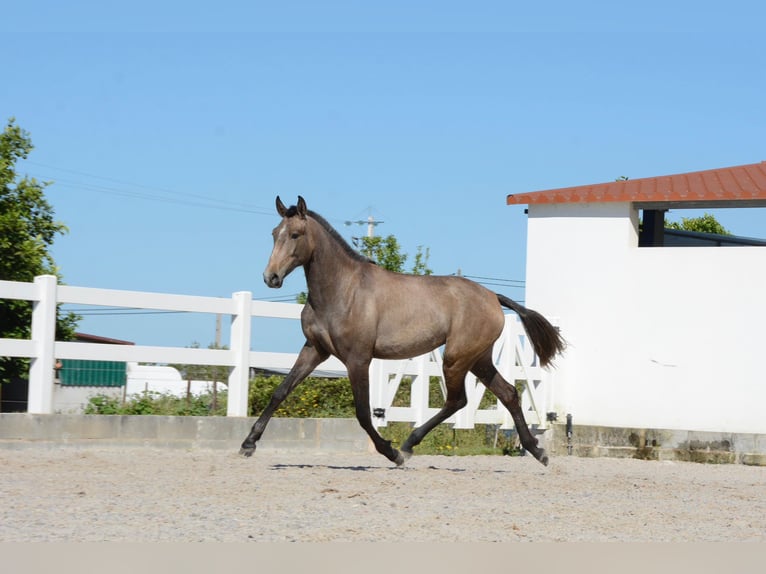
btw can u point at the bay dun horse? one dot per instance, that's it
(358, 311)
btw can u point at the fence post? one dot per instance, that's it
(377, 391)
(419, 391)
(507, 361)
(239, 377)
(40, 397)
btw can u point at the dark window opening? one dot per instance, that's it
(654, 231)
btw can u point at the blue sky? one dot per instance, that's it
(168, 128)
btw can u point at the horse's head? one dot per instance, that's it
(292, 247)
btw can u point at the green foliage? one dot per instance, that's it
(103, 405)
(402, 398)
(704, 224)
(421, 262)
(27, 228)
(313, 398)
(154, 403)
(27, 231)
(387, 253)
(482, 439)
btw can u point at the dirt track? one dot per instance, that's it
(148, 495)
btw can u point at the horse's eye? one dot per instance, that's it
(294, 236)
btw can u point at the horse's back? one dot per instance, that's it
(418, 313)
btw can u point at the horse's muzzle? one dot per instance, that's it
(272, 280)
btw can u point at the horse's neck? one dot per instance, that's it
(329, 269)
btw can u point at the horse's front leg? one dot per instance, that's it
(359, 375)
(308, 359)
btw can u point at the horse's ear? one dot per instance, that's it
(281, 209)
(302, 207)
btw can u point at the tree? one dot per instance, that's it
(421, 262)
(704, 224)
(27, 231)
(386, 252)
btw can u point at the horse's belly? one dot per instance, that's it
(405, 345)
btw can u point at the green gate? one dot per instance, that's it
(80, 373)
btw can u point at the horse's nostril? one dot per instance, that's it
(272, 280)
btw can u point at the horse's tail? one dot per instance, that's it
(545, 338)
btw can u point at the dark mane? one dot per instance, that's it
(353, 253)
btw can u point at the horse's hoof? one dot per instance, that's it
(247, 450)
(406, 454)
(543, 457)
(399, 459)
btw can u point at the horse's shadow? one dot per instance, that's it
(356, 468)
(368, 468)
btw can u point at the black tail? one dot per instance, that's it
(545, 338)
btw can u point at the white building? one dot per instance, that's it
(659, 337)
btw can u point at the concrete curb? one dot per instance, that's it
(23, 430)
(658, 444)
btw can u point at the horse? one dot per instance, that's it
(357, 311)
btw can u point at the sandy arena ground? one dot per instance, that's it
(152, 495)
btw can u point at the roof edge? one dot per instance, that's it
(742, 185)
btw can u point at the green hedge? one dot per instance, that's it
(314, 398)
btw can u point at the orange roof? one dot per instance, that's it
(740, 186)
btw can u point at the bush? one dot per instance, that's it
(482, 439)
(313, 398)
(154, 403)
(103, 405)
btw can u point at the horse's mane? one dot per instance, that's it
(353, 253)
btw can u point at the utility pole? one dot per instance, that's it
(370, 222)
(371, 226)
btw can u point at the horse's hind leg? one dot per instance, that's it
(454, 380)
(359, 375)
(307, 361)
(485, 370)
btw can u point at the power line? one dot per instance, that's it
(182, 198)
(490, 283)
(113, 311)
(89, 311)
(519, 282)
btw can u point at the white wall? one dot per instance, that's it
(659, 337)
(163, 379)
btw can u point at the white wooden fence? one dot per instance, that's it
(513, 353)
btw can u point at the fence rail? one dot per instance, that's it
(513, 355)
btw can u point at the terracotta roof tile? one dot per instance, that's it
(737, 185)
